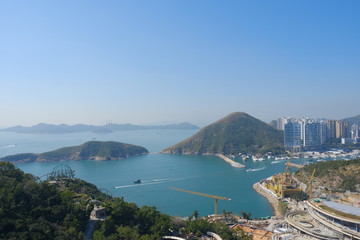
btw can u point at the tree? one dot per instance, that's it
(245, 215)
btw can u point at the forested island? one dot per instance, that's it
(92, 150)
(60, 209)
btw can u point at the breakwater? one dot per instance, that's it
(270, 197)
(294, 165)
(231, 162)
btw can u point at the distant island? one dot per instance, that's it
(236, 133)
(108, 128)
(93, 150)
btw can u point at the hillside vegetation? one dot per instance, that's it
(93, 150)
(352, 120)
(237, 132)
(333, 175)
(31, 210)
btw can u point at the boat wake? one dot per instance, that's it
(8, 146)
(255, 169)
(151, 182)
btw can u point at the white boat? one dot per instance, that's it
(273, 162)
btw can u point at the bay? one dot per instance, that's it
(158, 172)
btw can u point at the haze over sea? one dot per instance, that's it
(158, 172)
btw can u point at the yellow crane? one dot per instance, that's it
(216, 198)
(310, 183)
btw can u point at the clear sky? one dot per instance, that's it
(170, 61)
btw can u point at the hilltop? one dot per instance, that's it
(108, 128)
(93, 150)
(235, 133)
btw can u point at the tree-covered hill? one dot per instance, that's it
(352, 120)
(235, 133)
(93, 150)
(333, 175)
(32, 210)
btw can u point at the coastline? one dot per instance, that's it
(271, 198)
(231, 162)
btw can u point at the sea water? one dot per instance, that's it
(158, 172)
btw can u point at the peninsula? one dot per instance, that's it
(93, 150)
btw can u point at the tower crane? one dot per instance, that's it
(216, 198)
(310, 183)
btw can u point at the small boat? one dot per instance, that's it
(137, 181)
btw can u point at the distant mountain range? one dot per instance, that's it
(108, 128)
(93, 150)
(235, 133)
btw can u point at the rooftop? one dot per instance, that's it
(343, 208)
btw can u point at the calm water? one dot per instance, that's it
(158, 172)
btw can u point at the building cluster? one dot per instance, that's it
(308, 134)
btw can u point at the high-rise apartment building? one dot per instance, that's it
(292, 136)
(309, 133)
(323, 132)
(312, 134)
(331, 129)
(338, 129)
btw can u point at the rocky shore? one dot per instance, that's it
(270, 197)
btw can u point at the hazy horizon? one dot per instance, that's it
(152, 62)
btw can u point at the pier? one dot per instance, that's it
(294, 165)
(231, 162)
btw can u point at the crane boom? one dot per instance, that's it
(216, 198)
(201, 194)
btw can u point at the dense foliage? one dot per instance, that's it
(127, 221)
(32, 210)
(334, 175)
(237, 132)
(89, 150)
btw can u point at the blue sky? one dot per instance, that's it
(171, 61)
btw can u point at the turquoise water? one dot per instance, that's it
(158, 172)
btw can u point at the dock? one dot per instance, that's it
(294, 165)
(231, 162)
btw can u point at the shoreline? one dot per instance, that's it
(231, 162)
(271, 198)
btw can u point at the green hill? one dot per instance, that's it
(235, 133)
(93, 150)
(352, 120)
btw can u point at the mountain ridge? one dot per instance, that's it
(108, 128)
